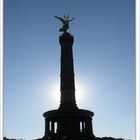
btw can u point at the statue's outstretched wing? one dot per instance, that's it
(61, 19)
(71, 19)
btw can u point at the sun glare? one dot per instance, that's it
(79, 92)
(54, 92)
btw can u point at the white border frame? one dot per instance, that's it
(137, 29)
(137, 6)
(1, 69)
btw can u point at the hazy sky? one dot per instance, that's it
(104, 62)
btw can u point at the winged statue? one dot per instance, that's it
(65, 22)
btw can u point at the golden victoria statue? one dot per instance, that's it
(65, 22)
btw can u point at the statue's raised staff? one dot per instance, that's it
(65, 21)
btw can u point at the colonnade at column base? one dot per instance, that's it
(68, 124)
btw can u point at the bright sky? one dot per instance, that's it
(104, 62)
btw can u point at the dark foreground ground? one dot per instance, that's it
(96, 138)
